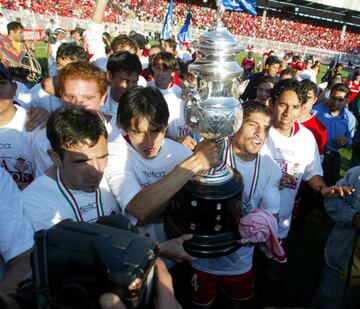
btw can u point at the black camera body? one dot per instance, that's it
(74, 263)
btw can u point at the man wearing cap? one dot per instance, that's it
(52, 49)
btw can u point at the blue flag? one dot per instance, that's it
(240, 5)
(184, 34)
(166, 30)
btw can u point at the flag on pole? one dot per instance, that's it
(184, 34)
(240, 5)
(166, 30)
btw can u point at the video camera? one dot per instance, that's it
(74, 263)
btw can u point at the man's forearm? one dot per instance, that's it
(317, 183)
(18, 267)
(153, 199)
(98, 14)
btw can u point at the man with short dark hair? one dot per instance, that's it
(340, 126)
(75, 188)
(286, 146)
(145, 169)
(264, 88)
(272, 65)
(123, 70)
(163, 67)
(233, 273)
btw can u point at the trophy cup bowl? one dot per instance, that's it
(207, 205)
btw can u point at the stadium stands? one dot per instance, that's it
(285, 28)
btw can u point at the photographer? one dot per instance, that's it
(164, 298)
(54, 42)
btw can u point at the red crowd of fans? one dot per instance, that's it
(289, 28)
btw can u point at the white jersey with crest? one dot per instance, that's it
(16, 149)
(297, 155)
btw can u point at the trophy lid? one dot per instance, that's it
(216, 52)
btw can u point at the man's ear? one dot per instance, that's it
(271, 105)
(108, 76)
(103, 99)
(54, 157)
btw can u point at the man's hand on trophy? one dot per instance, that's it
(187, 141)
(174, 249)
(207, 155)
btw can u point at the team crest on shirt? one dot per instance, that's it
(21, 165)
(20, 169)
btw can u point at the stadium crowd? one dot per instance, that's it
(277, 26)
(103, 132)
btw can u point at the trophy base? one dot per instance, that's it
(209, 213)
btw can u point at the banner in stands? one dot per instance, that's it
(240, 5)
(36, 35)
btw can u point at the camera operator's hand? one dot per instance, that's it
(111, 301)
(174, 249)
(164, 292)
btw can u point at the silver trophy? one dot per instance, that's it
(206, 206)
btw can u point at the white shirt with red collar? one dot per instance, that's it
(297, 155)
(48, 201)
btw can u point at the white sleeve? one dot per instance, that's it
(23, 96)
(271, 196)
(16, 233)
(93, 37)
(40, 147)
(314, 167)
(121, 178)
(38, 209)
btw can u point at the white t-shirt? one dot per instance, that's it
(128, 172)
(296, 155)
(41, 145)
(3, 25)
(41, 98)
(177, 125)
(110, 106)
(185, 56)
(16, 233)
(46, 203)
(16, 149)
(261, 190)
(23, 95)
(308, 74)
(114, 132)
